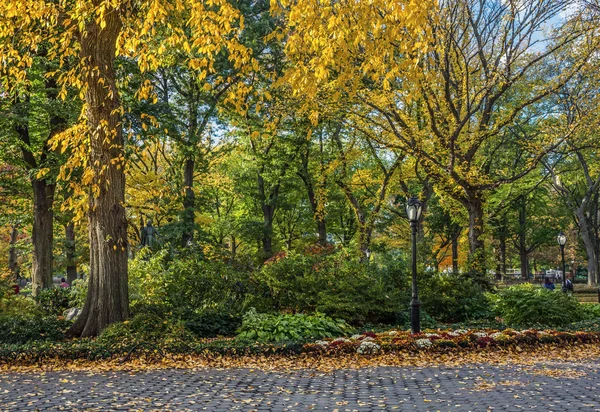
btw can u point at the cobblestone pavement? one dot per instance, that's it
(550, 386)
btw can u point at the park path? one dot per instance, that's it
(551, 386)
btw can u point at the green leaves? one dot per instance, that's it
(528, 305)
(284, 328)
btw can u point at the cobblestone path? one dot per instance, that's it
(571, 386)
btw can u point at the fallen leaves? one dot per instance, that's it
(325, 364)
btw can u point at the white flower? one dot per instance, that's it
(432, 335)
(423, 343)
(368, 339)
(461, 331)
(480, 334)
(542, 333)
(322, 343)
(393, 332)
(355, 337)
(340, 340)
(367, 347)
(453, 334)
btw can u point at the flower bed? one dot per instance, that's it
(444, 340)
(366, 344)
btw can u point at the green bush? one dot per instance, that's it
(183, 285)
(335, 284)
(144, 328)
(453, 298)
(78, 293)
(23, 329)
(527, 305)
(591, 310)
(19, 305)
(282, 328)
(211, 323)
(53, 301)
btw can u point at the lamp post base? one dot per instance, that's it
(415, 316)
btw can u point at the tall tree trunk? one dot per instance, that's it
(590, 244)
(189, 202)
(234, 247)
(523, 252)
(317, 214)
(12, 252)
(364, 241)
(502, 257)
(312, 198)
(43, 194)
(42, 235)
(267, 235)
(70, 252)
(476, 245)
(107, 298)
(455, 254)
(268, 205)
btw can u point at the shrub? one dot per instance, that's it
(22, 329)
(78, 293)
(282, 328)
(527, 305)
(591, 310)
(335, 284)
(211, 323)
(453, 298)
(185, 284)
(53, 301)
(19, 305)
(144, 328)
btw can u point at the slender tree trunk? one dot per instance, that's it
(502, 247)
(42, 235)
(312, 198)
(189, 202)
(234, 247)
(455, 254)
(268, 205)
(107, 299)
(12, 252)
(267, 235)
(43, 195)
(70, 252)
(364, 241)
(523, 252)
(318, 215)
(589, 243)
(477, 264)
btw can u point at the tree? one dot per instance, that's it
(574, 165)
(86, 36)
(474, 68)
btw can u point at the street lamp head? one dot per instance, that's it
(561, 239)
(413, 209)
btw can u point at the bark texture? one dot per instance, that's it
(107, 299)
(522, 244)
(44, 189)
(12, 252)
(42, 235)
(70, 252)
(477, 266)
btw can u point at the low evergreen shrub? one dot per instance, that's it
(21, 329)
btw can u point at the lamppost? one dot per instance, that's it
(562, 241)
(413, 210)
